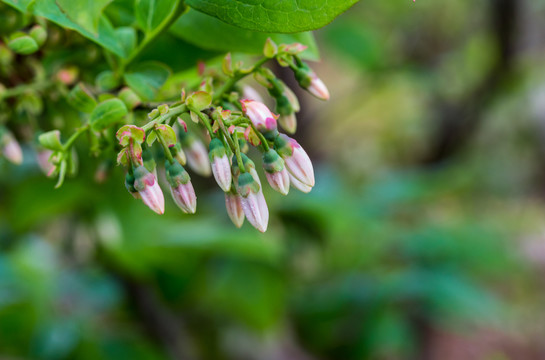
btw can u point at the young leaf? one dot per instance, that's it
(127, 132)
(85, 13)
(279, 16)
(167, 133)
(23, 45)
(210, 33)
(107, 113)
(145, 79)
(127, 38)
(51, 140)
(199, 100)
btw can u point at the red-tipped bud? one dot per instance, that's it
(253, 201)
(318, 88)
(221, 168)
(259, 114)
(11, 148)
(181, 188)
(309, 81)
(148, 188)
(299, 185)
(296, 159)
(233, 205)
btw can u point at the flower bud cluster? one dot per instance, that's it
(233, 116)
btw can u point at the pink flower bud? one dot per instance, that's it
(181, 188)
(295, 159)
(250, 93)
(222, 172)
(318, 88)
(276, 172)
(197, 158)
(42, 158)
(253, 202)
(299, 185)
(234, 209)
(279, 181)
(11, 149)
(184, 196)
(259, 114)
(221, 168)
(148, 188)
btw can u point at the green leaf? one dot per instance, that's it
(107, 113)
(210, 33)
(281, 16)
(51, 140)
(107, 80)
(81, 99)
(145, 79)
(85, 13)
(104, 36)
(150, 13)
(23, 44)
(127, 38)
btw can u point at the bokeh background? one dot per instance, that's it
(424, 237)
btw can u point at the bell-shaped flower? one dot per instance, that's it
(248, 92)
(42, 158)
(11, 148)
(318, 88)
(221, 168)
(288, 123)
(299, 185)
(233, 204)
(276, 172)
(177, 153)
(295, 158)
(197, 157)
(181, 188)
(253, 202)
(259, 114)
(147, 186)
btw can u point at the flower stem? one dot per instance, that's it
(204, 119)
(178, 10)
(228, 85)
(21, 89)
(238, 154)
(173, 111)
(74, 137)
(166, 149)
(260, 136)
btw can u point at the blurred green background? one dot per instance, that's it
(424, 237)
